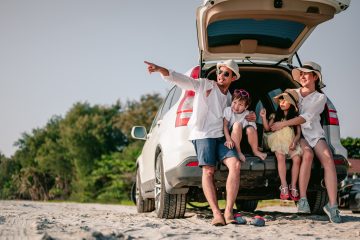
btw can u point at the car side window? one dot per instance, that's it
(165, 106)
(176, 96)
(167, 102)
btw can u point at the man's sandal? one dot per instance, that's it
(284, 193)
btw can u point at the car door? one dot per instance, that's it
(147, 166)
(271, 30)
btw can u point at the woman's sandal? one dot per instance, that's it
(284, 193)
(294, 193)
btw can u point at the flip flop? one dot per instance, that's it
(239, 219)
(218, 221)
(258, 221)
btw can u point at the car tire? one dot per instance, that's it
(246, 205)
(167, 205)
(317, 200)
(142, 204)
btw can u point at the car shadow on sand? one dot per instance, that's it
(275, 215)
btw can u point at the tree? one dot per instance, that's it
(138, 113)
(352, 145)
(87, 133)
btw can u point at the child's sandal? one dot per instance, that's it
(294, 193)
(284, 193)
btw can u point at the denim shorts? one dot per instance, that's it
(210, 151)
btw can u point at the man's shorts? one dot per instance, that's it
(210, 151)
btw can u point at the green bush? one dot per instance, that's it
(352, 145)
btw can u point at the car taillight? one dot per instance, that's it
(331, 114)
(185, 108)
(192, 164)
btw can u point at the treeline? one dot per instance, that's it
(352, 145)
(87, 155)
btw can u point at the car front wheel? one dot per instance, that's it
(167, 205)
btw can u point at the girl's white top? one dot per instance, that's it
(232, 118)
(310, 108)
(206, 120)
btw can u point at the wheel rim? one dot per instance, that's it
(157, 185)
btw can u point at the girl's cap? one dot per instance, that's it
(290, 95)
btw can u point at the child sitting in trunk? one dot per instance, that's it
(285, 141)
(235, 122)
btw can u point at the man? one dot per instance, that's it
(206, 131)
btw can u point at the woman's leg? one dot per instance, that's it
(324, 155)
(305, 167)
(253, 141)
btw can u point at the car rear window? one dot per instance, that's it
(268, 32)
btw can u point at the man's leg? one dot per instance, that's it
(206, 153)
(209, 190)
(232, 185)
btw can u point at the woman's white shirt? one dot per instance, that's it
(310, 108)
(207, 118)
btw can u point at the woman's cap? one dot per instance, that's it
(308, 67)
(290, 95)
(231, 64)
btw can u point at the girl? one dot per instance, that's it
(285, 141)
(311, 105)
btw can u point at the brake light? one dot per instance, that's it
(192, 164)
(331, 114)
(185, 107)
(339, 162)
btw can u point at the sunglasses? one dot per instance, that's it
(241, 92)
(226, 73)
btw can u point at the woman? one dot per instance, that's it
(311, 105)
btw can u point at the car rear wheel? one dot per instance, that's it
(246, 205)
(142, 204)
(317, 200)
(167, 205)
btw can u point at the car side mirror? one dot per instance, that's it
(139, 132)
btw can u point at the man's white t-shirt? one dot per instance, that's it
(207, 118)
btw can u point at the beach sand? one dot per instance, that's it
(43, 220)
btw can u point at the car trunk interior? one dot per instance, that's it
(259, 81)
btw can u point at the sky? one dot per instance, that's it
(56, 53)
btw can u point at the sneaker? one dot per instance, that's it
(333, 213)
(303, 206)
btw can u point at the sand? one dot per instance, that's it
(42, 220)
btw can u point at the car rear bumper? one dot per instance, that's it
(256, 176)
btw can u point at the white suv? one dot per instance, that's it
(263, 36)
